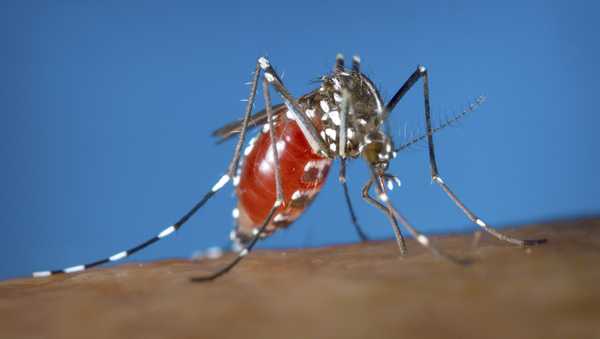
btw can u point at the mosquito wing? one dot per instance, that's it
(235, 127)
(257, 119)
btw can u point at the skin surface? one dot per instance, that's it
(347, 291)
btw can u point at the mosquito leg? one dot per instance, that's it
(177, 225)
(306, 125)
(399, 238)
(342, 178)
(421, 72)
(278, 201)
(231, 170)
(393, 213)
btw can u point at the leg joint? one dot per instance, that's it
(264, 63)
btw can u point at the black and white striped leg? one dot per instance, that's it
(474, 218)
(342, 178)
(421, 72)
(176, 226)
(399, 238)
(163, 234)
(278, 201)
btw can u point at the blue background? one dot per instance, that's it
(106, 111)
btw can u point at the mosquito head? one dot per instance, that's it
(377, 149)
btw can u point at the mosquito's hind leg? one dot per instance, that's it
(257, 232)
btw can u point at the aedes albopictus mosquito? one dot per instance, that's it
(283, 168)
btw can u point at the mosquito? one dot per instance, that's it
(281, 170)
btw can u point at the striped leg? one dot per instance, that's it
(257, 232)
(421, 72)
(393, 214)
(399, 238)
(176, 226)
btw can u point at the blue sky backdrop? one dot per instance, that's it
(106, 111)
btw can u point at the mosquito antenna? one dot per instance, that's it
(448, 122)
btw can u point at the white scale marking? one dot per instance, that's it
(74, 269)
(41, 274)
(290, 115)
(310, 113)
(336, 85)
(280, 147)
(320, 164)
(118, 256)
(264, 63)
(213, 252)
(264, 166)
(335, 117)
(279, 217)
(224, 179)
(296, 195)
(166, 232)
(331, 133)
(248, 149)
(324, 106)
(333, 147)
(423, 240)
(266, 127)
(269, 77)
(235, 213)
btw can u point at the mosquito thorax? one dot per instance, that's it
(377, 149)
(363, 113)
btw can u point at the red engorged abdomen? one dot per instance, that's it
(303, 173)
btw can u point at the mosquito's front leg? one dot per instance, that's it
(393, 221)
(421, 72)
